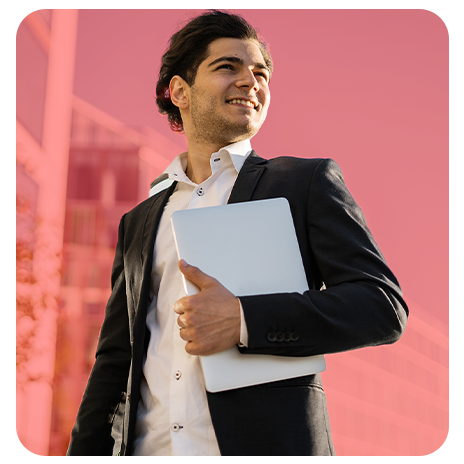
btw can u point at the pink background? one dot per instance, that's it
(366, 88)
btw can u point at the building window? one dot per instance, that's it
(94, 309)
(124, 165)
(80, 225)
(84, 178)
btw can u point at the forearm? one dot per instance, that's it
(345, 317)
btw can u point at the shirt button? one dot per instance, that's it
(200, 192)
(178, 375)
(176, 427)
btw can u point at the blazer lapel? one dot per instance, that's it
(248, 178)
(152, 221)
(141, 270)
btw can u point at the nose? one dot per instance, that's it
(248, 80)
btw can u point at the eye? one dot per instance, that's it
(263, 75)
(226, 66)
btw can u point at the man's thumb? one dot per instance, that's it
(193, 274)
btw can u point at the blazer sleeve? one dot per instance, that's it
(107, 384)
(362, 302)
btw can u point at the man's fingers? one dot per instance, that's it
(181, 322)
(179, 305)
(195, 275)
(184, 334)
(209, 321)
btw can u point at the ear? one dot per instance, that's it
(180, 92)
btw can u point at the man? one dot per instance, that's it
(146, 395)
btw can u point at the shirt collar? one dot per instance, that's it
(237, 151)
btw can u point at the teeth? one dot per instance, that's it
(243, 102)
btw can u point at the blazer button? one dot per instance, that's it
(294, 336)
(279, 336)
(287, 336)
(271, 336)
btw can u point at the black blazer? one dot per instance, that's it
(360, 304)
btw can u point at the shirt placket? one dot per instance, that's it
(178, 409)
(177, 400)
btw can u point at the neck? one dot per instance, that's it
(198, 160)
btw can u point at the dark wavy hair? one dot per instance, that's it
(189, 47)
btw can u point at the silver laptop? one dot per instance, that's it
(252, 249)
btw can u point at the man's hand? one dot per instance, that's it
(209, 321)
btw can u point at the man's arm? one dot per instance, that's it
(362, 304)
(107, 384)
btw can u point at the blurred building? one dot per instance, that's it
(111, 167)
(392, 400)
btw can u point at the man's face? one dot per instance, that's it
(230, 95)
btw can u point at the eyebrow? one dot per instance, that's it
(235, 59)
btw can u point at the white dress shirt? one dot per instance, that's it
(173, 417)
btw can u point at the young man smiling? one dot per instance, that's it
(146, 393)
(227, 103)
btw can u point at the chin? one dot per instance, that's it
(249, 128)
(243, 134)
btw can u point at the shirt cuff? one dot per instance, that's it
(243, 328)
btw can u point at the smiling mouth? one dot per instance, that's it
(247, 103)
